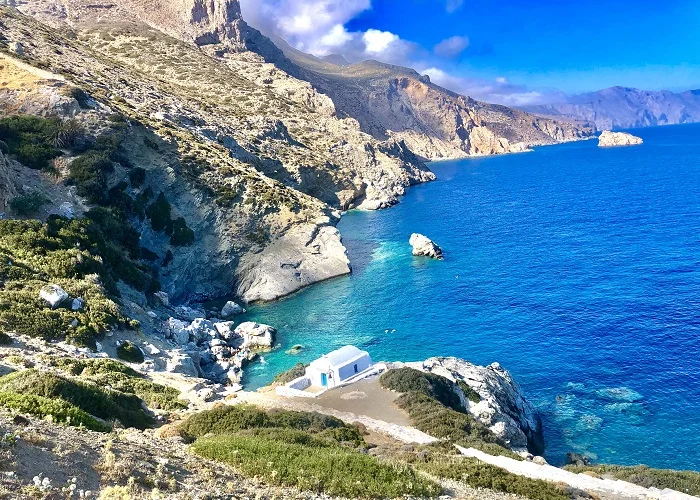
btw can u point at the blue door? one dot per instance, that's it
(324, 380)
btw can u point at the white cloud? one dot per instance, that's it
(336, 37)
(452, 47)
(453, 5)
(377, 42)
(501, 80)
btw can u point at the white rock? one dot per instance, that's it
(54, 295)
(255, 335)
(181, 363)
(612, 139)
(225, 329)
(16, 48)
(231, 309)
(98, 347)
(152, 314)
(424, 246)
(162, 298)
(151, 349)
(74, 323)
(178, 331)
(77, 304)
(202, 330)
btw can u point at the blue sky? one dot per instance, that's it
(509, 51)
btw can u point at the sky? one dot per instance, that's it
(512, 52)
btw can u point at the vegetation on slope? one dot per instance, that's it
(58, 410)
(434, 407)
(106, 404)
(683, 481)
(311, 451)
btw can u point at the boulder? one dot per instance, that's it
(424, 246)
(202, 330)
(178, 331)
(225, 329)
(255, 335)
(77, 304)
(503, 407)
(162, 298)
(231, 309)
(613, 139)
(573, 458)
(54, 295)
(180, 362)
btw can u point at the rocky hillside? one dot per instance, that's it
(393, 101)
(620, 107)
(254, 161)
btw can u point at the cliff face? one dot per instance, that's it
(392, 101)
(620, 107)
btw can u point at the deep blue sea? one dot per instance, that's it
(575, 267)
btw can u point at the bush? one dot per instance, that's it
(182, 235)
(158, 213)
(28, 204)
(293, 373)
(30, 139)
(130, 353)
(58, 410)
(234, 419)
(684, 481)
(156, 396)
(5, 339)
(137, 176)
(90, 172)
(308, 466)
(481, 475)
(107, 405)
(410, 380)
(90, 367)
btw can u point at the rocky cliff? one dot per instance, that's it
(622, 107)
(393, 101)
(611, 139)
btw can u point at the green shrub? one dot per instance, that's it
(130, 353)
(470, 393)
(410, 380)
(182, 235)
(293, 373)
(684, 481)
(234, 419)
(91, 367)
(107, 405)
(5, 339)
(481, 475)
(31, 139)
(308, 466)
(158, 213)
(60, 411)
(89, 172)
(156, 396)
(28, 204)
(137, 176)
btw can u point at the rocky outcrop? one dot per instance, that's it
(623, 107)
(424, 246)
(612, 139)
(8, 190)
(231, 309)
(503, 406)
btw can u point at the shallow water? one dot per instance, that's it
(575, 267)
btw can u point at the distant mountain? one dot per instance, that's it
(336, 59)
(395, 102)
(621, 107)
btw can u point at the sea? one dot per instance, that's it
(577, 268)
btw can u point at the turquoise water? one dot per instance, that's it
(577, 268)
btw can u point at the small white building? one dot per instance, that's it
(332, 369)
(345, 365)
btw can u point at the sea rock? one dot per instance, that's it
(612, 139)
(255, 335)
(231, 309)
(424, 246)
(225, 329)
(573, 458)
(54, 295)
(503, 407)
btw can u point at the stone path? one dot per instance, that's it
(617, 488)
